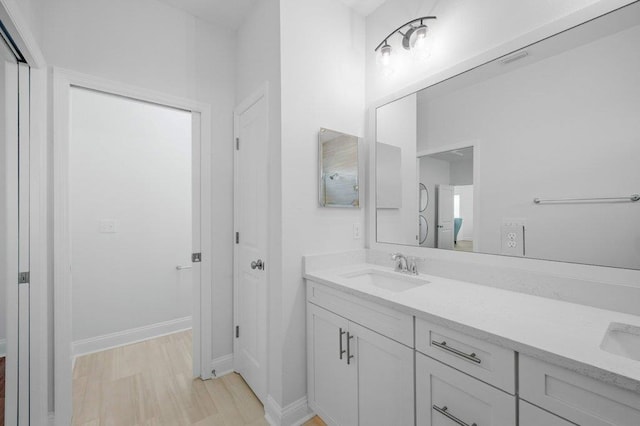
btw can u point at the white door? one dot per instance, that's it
(385, 379)
(333, 390)
(14, 303)
(444, 199)
(250, 254)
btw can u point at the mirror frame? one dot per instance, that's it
(604, 274)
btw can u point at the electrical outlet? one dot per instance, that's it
(356, 231)
(512, 237)
(107, 226)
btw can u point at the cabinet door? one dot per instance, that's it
(447, 397)
(530, 415)
(385, 378)
(332, 382)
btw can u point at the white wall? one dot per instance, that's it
(33, 13)
(130, 164)
(463, 30)
(322, 86)
(433, 172)
(396, 125)
(462, 171)
(584, 144)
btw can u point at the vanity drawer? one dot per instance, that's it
(577, 398)
(386, 321)
(445, 396)
(488, 362)
(530, 415)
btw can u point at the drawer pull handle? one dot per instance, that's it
(342, 333)
(349, 356)
(444, 411)
(443, 345)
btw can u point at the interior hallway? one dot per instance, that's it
(149, 383)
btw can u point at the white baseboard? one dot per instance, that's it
(3, 348)
(294, 414)
(127, 337)
(222, 365)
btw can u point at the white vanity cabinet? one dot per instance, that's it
(530, 415)
(370, 364)
(357, 376)
(446, 396)
(478, 358)
(332, 382)
(577, 398)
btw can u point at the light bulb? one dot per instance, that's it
(385, 55)
(420, 45)
(385, 58)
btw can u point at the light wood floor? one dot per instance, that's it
(464, 245)
(149, 383)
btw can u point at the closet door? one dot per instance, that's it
(24, 235)
(14, 253)
(9, 349)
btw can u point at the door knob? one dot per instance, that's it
(257, 264)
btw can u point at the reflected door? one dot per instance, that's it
(444, 239)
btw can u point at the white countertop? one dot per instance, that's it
(561, 333)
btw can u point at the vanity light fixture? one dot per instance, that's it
(414, 39)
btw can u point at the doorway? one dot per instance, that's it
(132, 171)
(451, 174)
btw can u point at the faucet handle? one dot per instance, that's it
(412, 265)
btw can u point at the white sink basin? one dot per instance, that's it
(390, 281)
(622, 339)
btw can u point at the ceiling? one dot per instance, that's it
(227, 13)
(231, 13)
(364, 7)
(463, 154)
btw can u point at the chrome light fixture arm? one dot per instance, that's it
(407, 34)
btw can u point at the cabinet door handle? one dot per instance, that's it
(443, 345)
(342, 333)
(444, 411)
(349, 356)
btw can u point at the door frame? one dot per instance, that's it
(475, 144)
(260, 93)
(62, 82)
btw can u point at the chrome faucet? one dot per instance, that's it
(406, 265)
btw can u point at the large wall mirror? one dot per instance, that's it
(535, 154)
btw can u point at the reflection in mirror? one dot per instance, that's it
(449, 175)
(423, 197)
(555, 121)
(338, 165)
(424, 229)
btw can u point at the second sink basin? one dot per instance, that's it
(622, 339)
(391, 281)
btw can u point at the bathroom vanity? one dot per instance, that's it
(389, 348)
